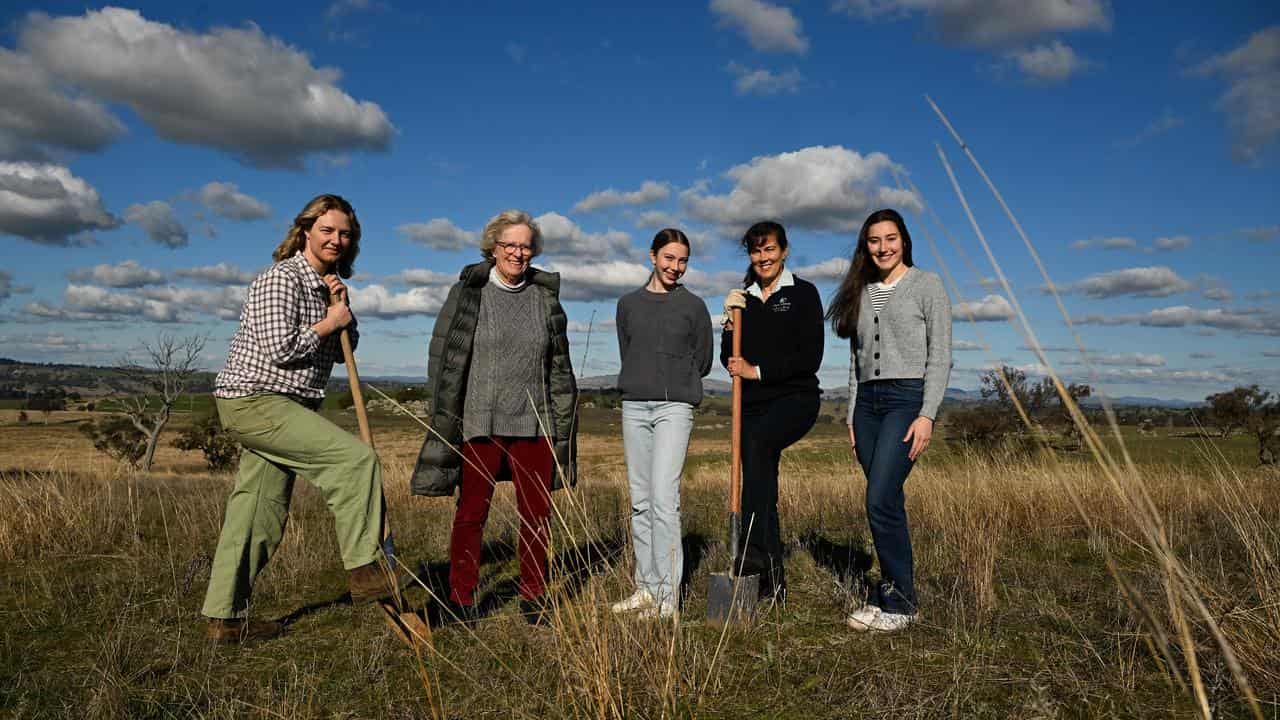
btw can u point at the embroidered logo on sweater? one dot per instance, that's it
(783, 305)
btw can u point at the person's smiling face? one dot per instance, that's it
(884, 245)
(512, 253)
(767, 258)
(327, 240)
(669, 263)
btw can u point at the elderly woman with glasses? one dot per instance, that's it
(504, 406)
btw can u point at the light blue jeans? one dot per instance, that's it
(656, 437)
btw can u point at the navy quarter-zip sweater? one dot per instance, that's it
(784, 336)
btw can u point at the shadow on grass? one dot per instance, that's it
(579, 564)
(696, 547)
(850, 562)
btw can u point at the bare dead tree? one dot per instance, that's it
(171, 365)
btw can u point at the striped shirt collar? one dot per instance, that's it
(785, 279)
(310, 277)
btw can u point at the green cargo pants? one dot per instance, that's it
(282, 439)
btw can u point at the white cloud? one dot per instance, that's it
(1122, 360)
(158, 220)
(1161, 125)
(223, 303)
(832, 269)
(422, 278)
(964, 346)
(1264, 233)
(1158, 281)
(562, 236)
(656, 219)
(48, 205)
(339, 8)
(379, 302)
(8, 289)
(126, 274)
(226, 200)
(991, 308)
(650, 192)
(1106, 243)
(440, 234)
(1252, 98)
(767, 27)
(52, 344)
(1048, 63)
(233, 89)
(1220, 294)
(1174, 242)
(89, 302)
(38, 115)
(817, 188)
(763, 81)
(221, 274)
(606, 280)
(1249, 321)
(990, 23)
(579, 327)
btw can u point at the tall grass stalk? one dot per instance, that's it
(1182, 593)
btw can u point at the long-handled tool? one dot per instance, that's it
(732, 597)
(407, 625)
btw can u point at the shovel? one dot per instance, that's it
(405, 624)
(731, 598)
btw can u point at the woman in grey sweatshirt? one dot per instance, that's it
(899, 321)
(664, 340)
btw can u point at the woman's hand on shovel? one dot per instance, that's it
(338, 316)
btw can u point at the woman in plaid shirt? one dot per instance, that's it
(267, 393)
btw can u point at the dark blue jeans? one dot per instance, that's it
(882, 413)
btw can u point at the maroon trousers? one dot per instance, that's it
(530, 463)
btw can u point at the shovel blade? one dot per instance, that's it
(731, 599)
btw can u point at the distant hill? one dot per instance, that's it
(20, 378)
(720, 387)
(17, 379)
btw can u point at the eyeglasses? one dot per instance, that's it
(515, 248)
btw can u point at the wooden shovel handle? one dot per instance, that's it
(735, 459)
(353, 380)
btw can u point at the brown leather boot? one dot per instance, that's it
(237, 631)
(372, 582)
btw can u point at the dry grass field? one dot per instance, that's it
(1043, 593)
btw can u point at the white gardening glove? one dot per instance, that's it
(736, 299)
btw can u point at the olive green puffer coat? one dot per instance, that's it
(439, 467)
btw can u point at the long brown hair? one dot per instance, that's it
(757, 235)
(843, 310)
(295, 240)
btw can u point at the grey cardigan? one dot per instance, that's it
(910, 339)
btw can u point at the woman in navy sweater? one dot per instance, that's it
(782, 341)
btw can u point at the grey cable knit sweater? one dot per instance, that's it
(910, 338)
(508, 367)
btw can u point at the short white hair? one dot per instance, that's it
(503, 220)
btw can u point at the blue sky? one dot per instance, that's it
(152, 157)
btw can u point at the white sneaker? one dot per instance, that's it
(862, 618)
(639, 600)
(891, 622)
(661, 611)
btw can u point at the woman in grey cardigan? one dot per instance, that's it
(899, 322)
(664, 341)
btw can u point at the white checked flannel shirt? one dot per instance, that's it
(275, 349)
